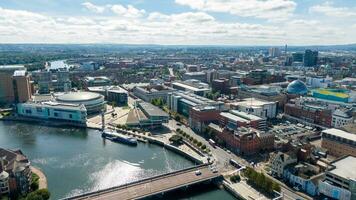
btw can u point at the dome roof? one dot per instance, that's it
(78, 96)
(297, 87)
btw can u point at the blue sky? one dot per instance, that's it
(210, 22)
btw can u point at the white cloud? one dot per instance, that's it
(129, 11)
(187, 17)
(245, 8)
(19, 26)
(329, 9)
(93, 8)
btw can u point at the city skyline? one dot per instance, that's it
(179, 22)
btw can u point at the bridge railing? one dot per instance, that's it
(94, 193)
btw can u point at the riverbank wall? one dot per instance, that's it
(77, 125)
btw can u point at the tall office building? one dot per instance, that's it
(310, 58)
(15, 85)
(297, 57)
(274, 52)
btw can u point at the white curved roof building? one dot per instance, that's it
(93, 102)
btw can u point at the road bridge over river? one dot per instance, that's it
(157, 185)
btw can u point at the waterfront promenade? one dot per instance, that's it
(42, 180)
(157, 185)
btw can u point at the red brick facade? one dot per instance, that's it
(247, 143)
(316, 116)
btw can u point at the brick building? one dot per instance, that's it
(309, 112)
(244, 141)
(338, 143)
(201, 116)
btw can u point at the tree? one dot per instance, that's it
(177, 118)
(176, 139)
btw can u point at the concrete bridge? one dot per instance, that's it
(156, 185)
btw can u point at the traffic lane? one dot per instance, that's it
(157, 185)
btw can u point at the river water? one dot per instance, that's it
(78, 160)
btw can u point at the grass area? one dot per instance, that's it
(35, 182)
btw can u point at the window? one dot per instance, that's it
(56, 114)
(38, 109)
(70, 116)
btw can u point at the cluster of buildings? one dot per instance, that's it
(307, 168)
(15, 173)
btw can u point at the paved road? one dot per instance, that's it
(221, 156)
(155, 185)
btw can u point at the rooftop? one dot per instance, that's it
(20, 73)
(245, 115)
(252, 102)
(78, 96)
(345, 168)
(340, 133)
(152, 110)
(190, 87)
(233, 117)
(107, 88)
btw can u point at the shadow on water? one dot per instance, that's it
(208, 190)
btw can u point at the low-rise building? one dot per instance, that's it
(94, 81)
(201, 116)
(146, 115)
(193, 86)
(267, 93)
(73, 113)
(304, 177)
(15, 172)
(151, 92)
(308, 111)
(112, 94)
(340, 180)
(201, 76)
(234, 119)
(341, 118)
(338, 142)
(182, 102)
(279, 161)
(257, 107)
(244, 141)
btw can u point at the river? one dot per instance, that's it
(78, 160)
